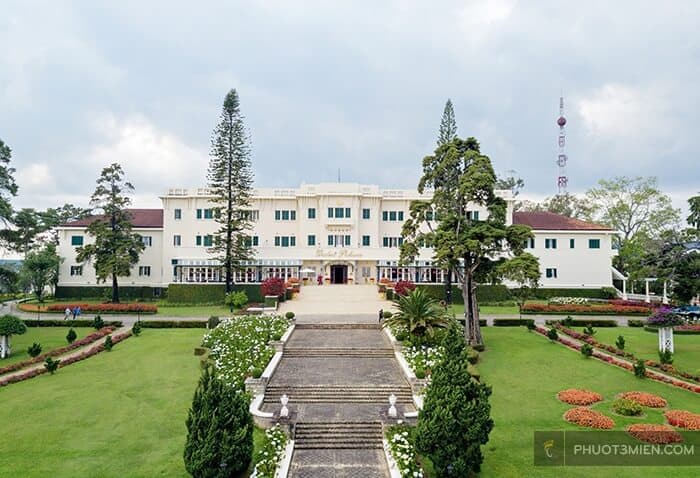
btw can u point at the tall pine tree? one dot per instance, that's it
(456, 416)
(448, 124)
(230, 180)
(8, 187)
(116, 248)
(219, 430)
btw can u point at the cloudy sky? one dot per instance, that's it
(354, 85)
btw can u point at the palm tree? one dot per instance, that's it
(419, 313)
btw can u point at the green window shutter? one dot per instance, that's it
(311, 240)
(293, 241)
(277, 241)
(198, 240)
(199, 214)
(385, 242)
(293, 215)
(312, 213)
(572, 243)
(392, 215)
(365, 214)
(476, 215)
(330, 212)
(330, 240)
(400, 215)
(256, 240)
(76, 240)
(385, 216)
(347, 212)
(285, 215)
(594, 243)
(339, 212)
(347, 240)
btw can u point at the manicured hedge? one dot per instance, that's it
(679, 332)
(501, 293)
(174, 324)
(482, 322)
(635, 323)
(511, 322)
(98, 292)
(585, 322)
(209, 293)
(68, 323)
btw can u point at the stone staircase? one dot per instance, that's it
(296, 352)
(339, 394)
(364, 326)
(345, 435)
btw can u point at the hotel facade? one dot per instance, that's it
(331, 232)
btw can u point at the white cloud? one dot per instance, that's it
(34, 177)
(484, 13)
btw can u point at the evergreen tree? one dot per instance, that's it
(448, 124)
(8, 187)
(40, 269)
(219, 430)
(462, 178)
(455, 420)
(694, 207)
(231, 182)
(27, 225)
(116, 248)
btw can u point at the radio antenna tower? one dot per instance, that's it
(562, 180)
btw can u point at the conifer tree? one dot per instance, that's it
(230, 179)
(448, 124)
(8, 186)
(455, 420)
(219, 430)
(116, 248)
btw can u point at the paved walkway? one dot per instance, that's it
(310, 380)
(334, 300)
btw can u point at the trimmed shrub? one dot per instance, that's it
(602, 309)
(71, 336)
(620, 342)
(34, 350)
(420, 373)
(568, 321)
(626, 407)
(213, 322)
(289, 315)
(512, 322)
(586, 350)
(640, 370)
(666, 357)
(387, 314)
(209, 293)
(552, 334)
(97, 322)
(585, 322)
(97, 292)
(236, 299)
(105, 308)
(530, 325)
(589, 330)
(108, 343)
(173, 324)
(257, 372)
(136, 329)
(51, 365)
(635, 323)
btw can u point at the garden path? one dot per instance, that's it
(338, 378)
(336, 299)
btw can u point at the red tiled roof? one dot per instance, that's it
(145, 218)
(550, 221)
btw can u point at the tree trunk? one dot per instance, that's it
(4, 346)
(472, 329)
(115, 289)
(448, 286)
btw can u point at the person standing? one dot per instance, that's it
(75, 310)
(381, 315)
(66, 313)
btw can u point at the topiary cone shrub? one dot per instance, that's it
(219, 429)
(71, 336)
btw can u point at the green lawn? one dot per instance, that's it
(121, 413)
(49, 338)
(645, 345)
(198, 311)
(526, 371)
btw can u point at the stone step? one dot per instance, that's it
(304, 353)
(344, 435)
(334, 326)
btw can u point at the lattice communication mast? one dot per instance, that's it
(562, 179)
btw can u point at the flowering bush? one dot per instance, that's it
(657, 434)
(602, 309)
(403, 452)
(586, 417)
(272, 286)
(688, 327)
(271, 453)
(105, 308)
(664, 317)
(626, 407)
(59, 351)
(404, 287)
(423, 357)
(573, 396)
(683, 419)
(645, 399)
(239, 346)
(568, 300)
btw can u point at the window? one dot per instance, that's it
(392, 241)
(330, 240)
(347, 212)
(144, 271)
(292, 241)
(550, 243)
(475, 215)
(285, 241)
(385, 242)
(198, 240)
(208, 214)
(365, 240)
(551, 273)
(330, 212)
(347, 240)
(385, 215)
(277, 241)
(365, 213)
(76, 270)
(199, 214)
(177, 240)
(76, 240)
(178, 214)
(256, 241)
(392, 215)
(285, 215)
(293, 215)
(572, 243)
(339, 212)
(311, 214)
(594, 243)
(147, 240)
(429, 216)
(251, 241)
(530, 243)
(278, 215)
(311, 240)
(400, 215)
(208, 241)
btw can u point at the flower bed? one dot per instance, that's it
(567, 300)
(580, 309)
(622, 364)
(683, 419)
(64, 362)
(586, 417)
(656, 434)
(94, 308)
(574, 396)
(403, 452)
(687, 328)
(239, 346)
(645, 399)
(423, 357)
(271, 453)
(58, 351)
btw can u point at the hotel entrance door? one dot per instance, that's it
(339, 274)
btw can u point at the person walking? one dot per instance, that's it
(75, 311)
(66, 313)
(381, 315)
(78, 311)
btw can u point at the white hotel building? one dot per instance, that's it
(339, 232)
